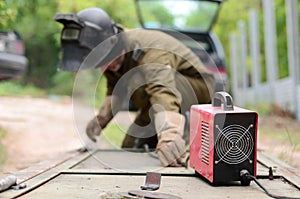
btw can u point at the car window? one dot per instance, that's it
(196, 45)
(182, 15)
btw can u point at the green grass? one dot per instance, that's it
(2, 149)
(115, 134)
(12, 88)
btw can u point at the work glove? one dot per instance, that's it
(171, 146)
(100, 121)
(93, 129)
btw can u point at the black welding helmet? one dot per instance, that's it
(89, 39)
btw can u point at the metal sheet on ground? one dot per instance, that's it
(94, 186)
(110, 172)
(120, 160)
(124, 161)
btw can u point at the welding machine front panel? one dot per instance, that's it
(234, 145)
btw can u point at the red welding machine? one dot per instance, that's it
(223, 140)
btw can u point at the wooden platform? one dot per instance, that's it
(94, 174)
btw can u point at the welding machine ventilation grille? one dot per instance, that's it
(234, 144)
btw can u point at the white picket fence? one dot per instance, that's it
(283, 92)
(282, 95)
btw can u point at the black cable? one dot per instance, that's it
(246, 176)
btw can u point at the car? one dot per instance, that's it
(13, 62)
(190, 21)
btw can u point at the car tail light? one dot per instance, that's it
(19, 47)
(16, 47)
(220, 69)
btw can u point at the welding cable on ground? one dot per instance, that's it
(246, 176)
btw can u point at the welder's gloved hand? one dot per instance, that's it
(93, 129)
(100, 121)
(171, 146)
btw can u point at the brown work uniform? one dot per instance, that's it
(158, 73)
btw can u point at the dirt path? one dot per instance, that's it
(36, 129)
(41, 128)
(279, 135)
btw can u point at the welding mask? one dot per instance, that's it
(88, 39)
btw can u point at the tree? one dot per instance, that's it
(7, 15)
(234, 10)
(33, 20)
(121, 11)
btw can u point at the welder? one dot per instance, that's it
(161, 76)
